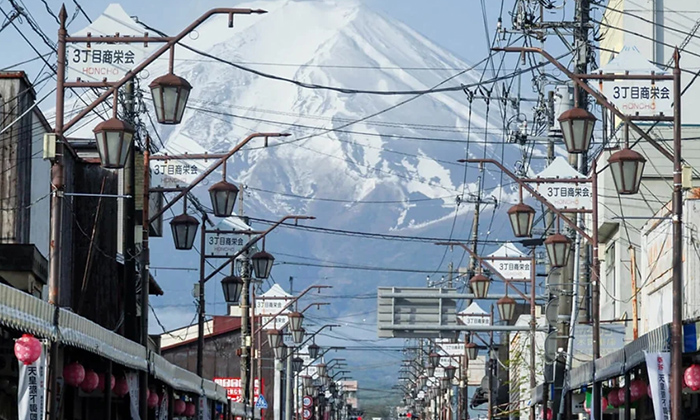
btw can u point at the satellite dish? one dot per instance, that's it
(551, 311)
(550, 347)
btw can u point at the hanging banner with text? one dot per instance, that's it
(233, 388)
(659, 369)
(31, 389)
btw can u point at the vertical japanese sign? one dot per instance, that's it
(133, 380)
(659, 368)
(163, 408)
(31, 389)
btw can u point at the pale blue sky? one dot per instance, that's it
(456, 25)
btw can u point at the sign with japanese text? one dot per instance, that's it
(452, 349)
(270, 304)
(31, 389)
(173, 173)
(640, 97)
(217, 244)
(99, 61)
(659, 370)
(512, 270)
(564, 195)
(233, 388)
(474, 315)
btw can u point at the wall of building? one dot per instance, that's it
(41, 188)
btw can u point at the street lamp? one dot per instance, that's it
(262, 264)
(627, 167)
(558, 247)
(434, 359)
(313, 351)
(506, 308)
(113, 138)
(274, 338)
(479, 285)
(307, 380)
(233, 286)
(472, 351)
(521, 217)
(445, 382)
(297, 364)
(223, 198)
(577, 128)
(450, 372)
(295, 320)
(170, 93)
(281, 351)
(430, 370)
(422, 381)
(184, 229)
(298, 335)
(321, 369)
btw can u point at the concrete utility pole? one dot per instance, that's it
(288, 388)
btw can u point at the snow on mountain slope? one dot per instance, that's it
(323, 42)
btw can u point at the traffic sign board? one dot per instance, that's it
(261, 403)
(307, 414)
(307, 401)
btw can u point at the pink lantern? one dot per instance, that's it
(638, 389)
(121, 388)
(27, 349)
(101, 382)
(189, 410)
(90, 382)
(549, 414)
(153, 399)
(74, 374)
(621, 395)
(179, 407)
(691, 377)
(614, 398)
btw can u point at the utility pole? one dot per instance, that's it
(288, 392)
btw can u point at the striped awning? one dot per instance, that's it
(24, 312)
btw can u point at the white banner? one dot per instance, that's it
(31, 389)
(163, 409)
(132, 379)
(204, 408)
(659, 369)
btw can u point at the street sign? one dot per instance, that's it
(261, 402)
(551, 311)
(218, 244)
(173, 173)
(271, 303)
(410, 306)
(233, 388)
(564, 195)
(510, 269)
(474, 315)
(101, 61)
(452, 349)
(637, 97)
(307, 414)
(307, 401)
(550, 347)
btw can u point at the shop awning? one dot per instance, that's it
(23, 312)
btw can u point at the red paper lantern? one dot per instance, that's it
(179, 407)
(153, 399)
(90, 382)
(549, 414)
(121, 388)
(189, 410)
(27, 349)
(74, 374)
(614, 398)
(638, 389)
(691, 377)
(621, 395)
(101, 382)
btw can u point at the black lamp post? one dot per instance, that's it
(262, 264)
(521, 218)
(297, 364)
(321, 369)
(113, 138)
(170, 94)
(274, 338)
(233, 286)
(506, 308)
(450, 372)
(627, 167)
(314, 350)
(298, 335)
(434, 359)
(184, 229)
(281, 351)
(558, 247)
(472, 351)
(223, 198)
(480, 285)
(577, 129)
